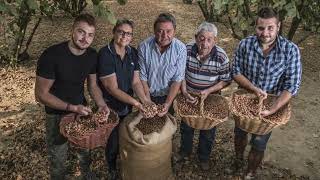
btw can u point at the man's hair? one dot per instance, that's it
(165, 17)
(88, 18)
(121, 22)
(207, 27)
(268, 12)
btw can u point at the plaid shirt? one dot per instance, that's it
(280, 70)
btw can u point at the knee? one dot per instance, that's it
(259, 142)
(239, 133)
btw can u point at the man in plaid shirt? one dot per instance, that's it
(265, 63)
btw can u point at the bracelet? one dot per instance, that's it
(68, 107)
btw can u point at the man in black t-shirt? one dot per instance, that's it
(61, 72)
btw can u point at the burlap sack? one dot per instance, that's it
(145, 157)
(166, 132)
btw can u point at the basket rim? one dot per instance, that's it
(87, 134)
(201, 115)
(247, 93)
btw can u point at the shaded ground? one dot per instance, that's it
(293, 151)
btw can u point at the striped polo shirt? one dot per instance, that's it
(201, 75)
(161, 70)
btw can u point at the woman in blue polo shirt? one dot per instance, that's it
(118, 72)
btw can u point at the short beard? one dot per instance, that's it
(76, 45)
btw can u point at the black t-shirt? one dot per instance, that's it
(110, 62)
(68, 71)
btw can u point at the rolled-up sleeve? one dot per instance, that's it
(181, 65)
(293, 72)
(224, 71)
(238, 58)
(142, 62)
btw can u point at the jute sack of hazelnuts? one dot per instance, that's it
(246, 107)
(205, 114)
(146, 156)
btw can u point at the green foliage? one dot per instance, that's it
(240, 15)
(16, 15)
(73, 7)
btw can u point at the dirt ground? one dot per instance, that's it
(293, 151)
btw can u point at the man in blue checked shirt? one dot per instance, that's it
(265, 63)
(162, 60)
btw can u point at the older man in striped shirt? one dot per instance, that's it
(207, 71)
(162, 60)
(265, 63)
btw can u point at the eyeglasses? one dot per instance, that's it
(123, 33)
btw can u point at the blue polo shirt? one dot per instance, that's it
(109, 63)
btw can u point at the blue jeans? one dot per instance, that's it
(206, 141)
(58, 146)
(258, 142)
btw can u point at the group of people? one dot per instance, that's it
(155, 72)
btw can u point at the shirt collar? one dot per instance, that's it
(155, 45)
(213, 52)
(113, 50)
(278, 45)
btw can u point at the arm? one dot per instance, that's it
(42, 93)
(96, 93)
(246, 84)
(282, 100)
(176, 79)
(236, 73)
(224, 76)
(111, 85)
(173, 91)
(143, 71)
(217, 87)
(184, 91)
(138, 88)
(291, 84)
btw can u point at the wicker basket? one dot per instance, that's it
(202, 121)
(91, 140)
(257, 125)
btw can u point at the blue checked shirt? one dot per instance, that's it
(280, 70)
(161, 70)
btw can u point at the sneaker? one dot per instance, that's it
(204, 165)
(249, 176)
(236, 167)
(180, 157)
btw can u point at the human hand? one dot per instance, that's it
(80, 109)
(190, 98)
(164, 109)
(104, 109)
(261, 94)
(204, 94)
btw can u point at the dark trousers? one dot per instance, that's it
(112, 149)
(206, 141)
(58, 146)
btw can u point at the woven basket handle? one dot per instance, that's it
(196, 94)
(260, 105)
(201, 105)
